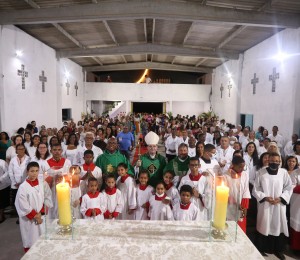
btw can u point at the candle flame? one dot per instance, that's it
(63, 180)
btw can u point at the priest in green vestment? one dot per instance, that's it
(109, 160)
(180, 164)
(152, 161)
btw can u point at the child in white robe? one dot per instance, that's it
(89, 169)
(159, 204)
(185, 210)
(171, 190)
(113, 196)
(31, 198)
(93, 203)
(143, 194)
(201, 188)
(126, 184)
(75, 170)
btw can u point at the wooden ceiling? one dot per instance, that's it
(178, 35)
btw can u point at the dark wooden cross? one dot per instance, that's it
(23, 74)
(254, 81)
(76, 88)
(229, 87)
(273, 78)
(43, 78)
(68, 87)
(221, 89)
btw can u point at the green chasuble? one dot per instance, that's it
(154, 167)
(108, 163)
(180, 168)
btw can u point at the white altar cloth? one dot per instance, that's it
(143, 240)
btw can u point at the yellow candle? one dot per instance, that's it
(222, 193)
(63, 203)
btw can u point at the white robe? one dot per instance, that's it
(72, 155)
(212, 168)
(114, 202)
(4, 177)
(251, 168)
(142, 197)
(170, 144)
(173, 194)
(238, 190)
(225, 157)
(96, 150)
(16, 171)
(31, 198)
(93, 203)
(271, 219)
(192, 213)
(204, 188)
(295, 202)
(97, 173)
(42, 169)
(128, 190)
(31, 151)
(158, 210)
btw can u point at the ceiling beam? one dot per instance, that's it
(153, 9)
(149, 48)
(153, 30)
(201, 62)
(97, 60)
(145, 30)
(149, 65)
(232, 35)
(110, 32)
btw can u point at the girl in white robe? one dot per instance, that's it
(93, 203)
(126, 185)
(272, 189)
(185, 210)
(113, 198)
(295, 211)
(171, 190)
(143, 194)
(159, 204)
(31, 198)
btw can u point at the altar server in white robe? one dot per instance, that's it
(93, 203)
(143, 194)
(159, 204)
(208, 160)
(201, 188)
(88, 170)
(171, 190)
(113, 197)
(33, 195)
(295, 211)
(185, 210)
(272, 189)
(126, 185)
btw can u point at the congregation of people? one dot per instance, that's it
(261, 169)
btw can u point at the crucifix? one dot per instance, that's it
(221, 89)
(229, 87)
(273, 78)
(23, 74)
(254, 81)
(68, 87)
(43, 78)
(76, 88)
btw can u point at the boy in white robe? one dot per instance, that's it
(208, 160)
(201, 188)
(126, 185)
(113, 196)
(93, 203)
(273, 190)
(31, 198)
(89, 169)
(185, 210)
(238, 182)
(143, 194)
(159, 204)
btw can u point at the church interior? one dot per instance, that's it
(66, 59)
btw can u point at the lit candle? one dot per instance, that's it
(222, 193)
(63, 203)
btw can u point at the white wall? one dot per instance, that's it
(75, 74)
(187, 108)
(268, 108)
(20, 106)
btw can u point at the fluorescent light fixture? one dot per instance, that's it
(281, 56)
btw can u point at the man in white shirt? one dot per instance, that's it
(224, 154)
(250, 138)
(208, 137)
(170, 145)
(88, 145)
(279, 139)
(288, 149)
(245, 134)
(183, 139)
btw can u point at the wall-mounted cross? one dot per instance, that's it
(221, 89)
(43, 78)
(229, 88)
(76, 88)
(273, 78)
(68, 87)
(254, 81)
(23, 74)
